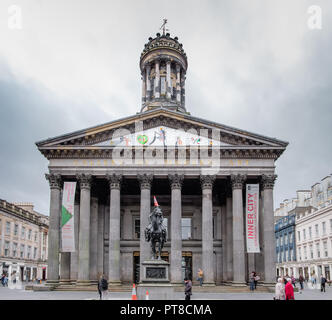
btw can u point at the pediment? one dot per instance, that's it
(160, 127)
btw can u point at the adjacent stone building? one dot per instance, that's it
(23, 241)
(196, 168)
(312, 210)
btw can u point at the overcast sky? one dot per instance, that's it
(253, 65)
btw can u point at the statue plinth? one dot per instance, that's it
(156, 281)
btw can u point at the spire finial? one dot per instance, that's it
(164, 27)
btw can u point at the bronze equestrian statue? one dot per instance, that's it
(156, 231)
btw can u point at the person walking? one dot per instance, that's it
(322, 283)
(256, 280)
(301, 280)
(102, 287)
(187, 289)
(279, 290)
(293, 281)
(289, 290)
(200, 276)
(252, 281)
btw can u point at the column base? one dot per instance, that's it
(52, 282)
(83, 283)
(65, 281)
(114, 283)
(208, 284)
(238, 284)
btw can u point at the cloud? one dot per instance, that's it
(252, 65)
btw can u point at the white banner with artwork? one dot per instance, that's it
(252, 215)
(67, 217)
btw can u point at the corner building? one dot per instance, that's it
(196, 168)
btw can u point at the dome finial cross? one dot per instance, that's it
(164, 27)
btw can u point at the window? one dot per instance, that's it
(310, 233)
(298, 236)
(29, 234)
(36, 236)
(318, 250)
(305, 253)
(137, 227)
(29, 252)
(22, 251)
(7, 227)
(16, 230)
(316, 228)
(286, 239)
(14, 249)
(186, 228)
(163, 85)
(330, 225)
(304, 237)
(311, 252)
(23, 233)
(325, 249)
(324, 227)
(7, 248)
(35, 253)
(299, 254)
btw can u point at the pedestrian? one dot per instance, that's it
(102, 287)
(301, 280)
(200, 276)
(293, 281)
(187, 289)
(252, 281)
(289, 290)
(279, 290)
(256, 280)
(322, 283)
(3, 280)
(6, 281)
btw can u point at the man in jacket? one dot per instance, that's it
(102, 287)
(322, 283)
(188, 288)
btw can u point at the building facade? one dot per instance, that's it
(196, 168)
(23, 241)
(285, 244)
(313, 232)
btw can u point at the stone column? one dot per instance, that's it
(176, 240)
(93, 240)
(168, 80)
(100, 240)
(178, 88)
(239, 270)
(229, 235)
(148, 83)
(207, 229)
(74, 255)
(114, 227)
(223, 243)
(269, 235)
(183, 91)
(54, 228)
(145, 181)
(143, 87)
(84, 233)
(157, 80)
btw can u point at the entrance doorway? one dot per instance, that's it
(187, 263)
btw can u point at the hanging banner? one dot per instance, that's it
(67, 217)
(252, 214)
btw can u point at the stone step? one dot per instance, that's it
(225, 289)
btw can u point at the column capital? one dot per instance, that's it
(54, 180)
(267, 181)
(237, 180)
(207, 181)
(145, 180)
(114, 180)
(85, 180)
(176, 180)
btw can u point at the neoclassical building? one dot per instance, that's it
(196, 168)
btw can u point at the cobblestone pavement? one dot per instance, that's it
(18, 294)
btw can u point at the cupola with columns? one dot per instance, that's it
(163, 65)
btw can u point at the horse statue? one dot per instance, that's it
(156, 232)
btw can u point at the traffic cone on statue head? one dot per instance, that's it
(133, 293)
(155, 201)
(147, 295)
